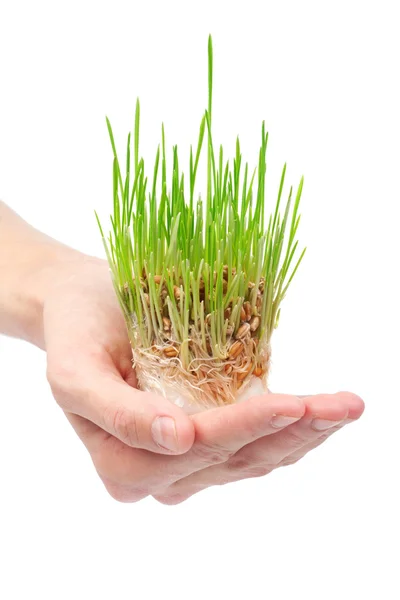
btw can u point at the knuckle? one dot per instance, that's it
(123, 422)
(259, 470)
(60, 371)
(289, 460)
(294, 439)
(248, 467)
(60, 376)
(225, 479)
(171, 500)
(124, 494)
(322, 438)
(239, 463)
(211, 454)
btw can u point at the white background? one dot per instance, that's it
(324, 76)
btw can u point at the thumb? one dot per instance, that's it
(139, 419)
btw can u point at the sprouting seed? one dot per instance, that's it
(200, 268)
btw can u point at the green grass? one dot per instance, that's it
(211, 255)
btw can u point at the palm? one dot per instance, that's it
(90, 369)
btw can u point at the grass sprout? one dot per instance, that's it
(200, 280)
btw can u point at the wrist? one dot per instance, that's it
(55, 267)
(35, 267)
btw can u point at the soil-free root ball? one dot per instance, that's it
(200, 281)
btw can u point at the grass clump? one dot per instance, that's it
(200, 281)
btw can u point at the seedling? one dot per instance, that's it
(200, 281)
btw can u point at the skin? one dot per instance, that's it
(63, 302)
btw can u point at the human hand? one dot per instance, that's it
(91, 375)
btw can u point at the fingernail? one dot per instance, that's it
(280, 421)
(163, 431)
(323, 424)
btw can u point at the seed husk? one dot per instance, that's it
(247, 309)
(227, 312)
(242, 331)
(147, 298)
(243, 374)
(228, 369)
(254, 323)
(177, 292)
(171, 351)
(157, 279)
(243, 316)
(258, 371)
(166, 324)
(235, 349)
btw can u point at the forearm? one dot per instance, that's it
(29, 261)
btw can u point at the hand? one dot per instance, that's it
(136, 450)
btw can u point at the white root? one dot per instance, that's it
(206, 385)
(195, 376)
(253, 387)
